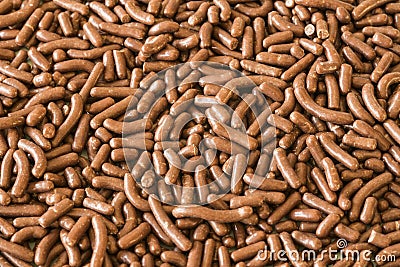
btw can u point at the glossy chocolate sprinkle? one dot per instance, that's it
(117, 118)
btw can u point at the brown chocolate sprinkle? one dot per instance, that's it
(199, 133)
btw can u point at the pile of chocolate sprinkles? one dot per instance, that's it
(292, 146)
